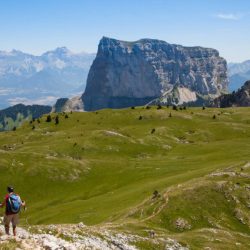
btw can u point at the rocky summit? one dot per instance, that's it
(127, 74)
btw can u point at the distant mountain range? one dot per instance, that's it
(238, 74)
(28, 79)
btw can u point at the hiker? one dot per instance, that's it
(13, 204)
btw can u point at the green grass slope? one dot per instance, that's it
(104, 166)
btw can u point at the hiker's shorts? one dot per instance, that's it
(12, 218)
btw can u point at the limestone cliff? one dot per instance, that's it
(134, 73)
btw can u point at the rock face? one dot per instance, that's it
(134, 73)
(67, 105)
(240, 98)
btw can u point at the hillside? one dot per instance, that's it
(13, 117)
(183, 176)
(239, 98)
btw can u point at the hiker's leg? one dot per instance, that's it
(14, 221)
(6, 221)
(7, 229)
(14, 230)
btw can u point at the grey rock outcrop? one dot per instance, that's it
(240, 98)
(67, 105)
(134, 73)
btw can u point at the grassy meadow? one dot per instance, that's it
(186, 175)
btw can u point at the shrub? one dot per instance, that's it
(140, 117)
(66, 116)
(159, 106)
(148, 107)
(48, 119)
(214, 116)
(132, 107)
(175, 107)
(170, 115)
(156, 194)
(14, 128)
(153, 130)
(57, 120)
(203, 108)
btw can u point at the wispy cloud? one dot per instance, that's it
(46, 100)
(230, 16)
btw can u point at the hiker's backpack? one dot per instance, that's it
(14, 203)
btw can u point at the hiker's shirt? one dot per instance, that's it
(7, 208)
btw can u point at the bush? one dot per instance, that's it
(66, 116)
(132, 107)
(14, 129)
(175, 107)
(214, 116)
(159, 106)
(156, 194)
(153, 130)
(48, 119)
(148, 107)
(57, 120)
(203, 108)
(170, 115)
(140, 117)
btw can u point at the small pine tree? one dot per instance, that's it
(132, 107)
(48, 119)
(57, 120)
(148, 107)
(170, 115)
(66, 116)
(14, 128)
(33, 127)
(140, 117)
(159, 106)
(153, 130)
(184, 108)
(203, 108)
(214, 116)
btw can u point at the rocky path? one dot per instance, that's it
(72, 237)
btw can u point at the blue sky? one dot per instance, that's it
(36, 26)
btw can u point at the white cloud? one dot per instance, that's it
(4, 91)
(46, 100)
(229, 16)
